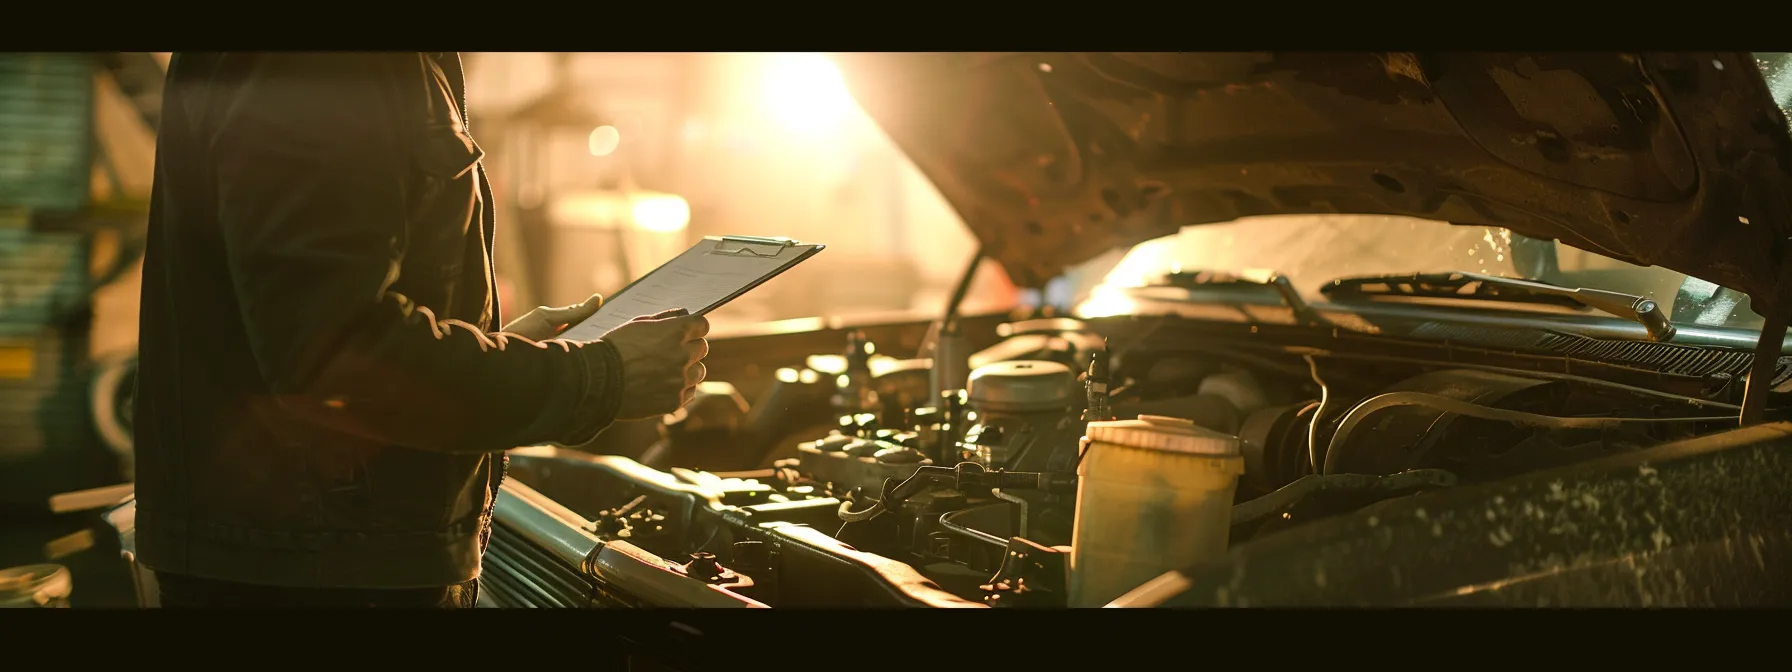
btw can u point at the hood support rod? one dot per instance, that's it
(948, 323)
(1768, 349)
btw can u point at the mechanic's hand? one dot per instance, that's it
(544, 323)
(662, 362)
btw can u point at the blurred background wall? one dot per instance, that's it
(608, 164)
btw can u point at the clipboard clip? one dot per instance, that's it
(743, 246)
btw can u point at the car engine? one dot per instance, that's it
(967, 496)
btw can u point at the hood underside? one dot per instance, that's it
(1679, 160)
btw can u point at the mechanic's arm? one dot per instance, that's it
(311, 177)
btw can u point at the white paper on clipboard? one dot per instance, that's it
(711, 273)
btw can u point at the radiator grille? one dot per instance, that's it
(517, 574)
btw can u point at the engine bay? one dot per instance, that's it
(930, 491)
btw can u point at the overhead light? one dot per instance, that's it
(805, 92)
(603, 140)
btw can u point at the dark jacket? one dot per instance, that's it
(320, 401)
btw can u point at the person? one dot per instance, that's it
(322, 401)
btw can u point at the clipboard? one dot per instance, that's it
(716, 270)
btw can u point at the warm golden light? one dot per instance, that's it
(831, 364)
(805, 93)
(600, 210)
(662, 213)
(603, 140)
(1143, 263)
(1107, 301)
(646, 210)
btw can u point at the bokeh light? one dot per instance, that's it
(603, 140)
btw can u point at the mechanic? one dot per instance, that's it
(322, 404)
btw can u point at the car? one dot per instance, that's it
(1476, 329)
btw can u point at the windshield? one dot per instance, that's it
(1315, 249)
(1776, 68)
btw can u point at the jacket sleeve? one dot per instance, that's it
(311, 176)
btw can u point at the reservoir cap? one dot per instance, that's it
(1157, 432)
(1022, 387)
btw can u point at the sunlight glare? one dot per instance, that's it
(805, 92)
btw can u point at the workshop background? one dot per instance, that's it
(604, 165)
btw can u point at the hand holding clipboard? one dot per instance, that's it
(701, 279)
(662, 362)
(656, 323)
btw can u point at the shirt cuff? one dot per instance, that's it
(602, 394)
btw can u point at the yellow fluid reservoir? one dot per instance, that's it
(1153, 495)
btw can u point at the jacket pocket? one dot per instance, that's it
(445, 159)
(444, 209)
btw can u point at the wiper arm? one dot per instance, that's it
(1268, 279)
(1457, 285)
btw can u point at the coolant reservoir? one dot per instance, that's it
(1153, 495)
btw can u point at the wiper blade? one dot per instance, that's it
(1475, 286)
(1266, 279)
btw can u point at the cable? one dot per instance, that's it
(1325, 398)
(894, 493)
(713, 533)
(1528, 373)
(946, 522)
(859, 516)
(1287, 496)
(1448, 405)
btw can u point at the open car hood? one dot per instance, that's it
(1679, 160)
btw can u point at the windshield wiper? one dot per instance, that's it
(1474, 286)
(1266, 279)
